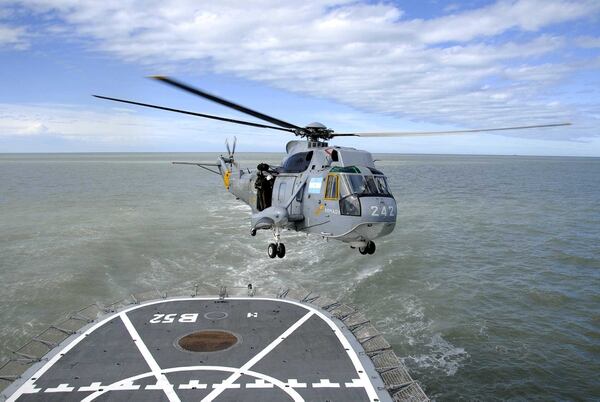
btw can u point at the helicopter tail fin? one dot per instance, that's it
(225, 165)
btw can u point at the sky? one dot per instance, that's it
(351, 65)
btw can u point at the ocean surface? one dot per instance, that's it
(489, 288)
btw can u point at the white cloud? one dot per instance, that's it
(13, 37)
(31, 128)
(588, 42)
(36, 127)
(454, 69)
(65, 121)
(527, 15)
(116, 126)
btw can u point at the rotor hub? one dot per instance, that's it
(315, 132)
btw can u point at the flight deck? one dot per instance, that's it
(219, 348)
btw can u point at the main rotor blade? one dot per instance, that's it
(208, 116)
(425, 133)
(227, 103)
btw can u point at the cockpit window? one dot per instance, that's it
(345, 169)
(371, 185)
(357, 182)
(382, 186)
(375, 171)
(298, 162)
(367, 185)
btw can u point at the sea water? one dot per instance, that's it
(489, 287)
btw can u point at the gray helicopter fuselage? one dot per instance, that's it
(335, 192)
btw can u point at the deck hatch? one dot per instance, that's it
(208, 341)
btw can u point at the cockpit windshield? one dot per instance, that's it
(366, 185)
(382, 185)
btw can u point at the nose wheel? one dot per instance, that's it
(276, 250)
(368, 249)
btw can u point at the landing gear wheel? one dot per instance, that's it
(272, 250)
(371, 247)
(362, 250)
(280, 250)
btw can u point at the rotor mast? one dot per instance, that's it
(316, 133)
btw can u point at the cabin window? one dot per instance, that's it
(298, 162)
(332, 187)
(281, 194)
(334, 156)
(300, 194)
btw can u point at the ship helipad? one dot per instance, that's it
(214, 348)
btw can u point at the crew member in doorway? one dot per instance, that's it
(264, 187)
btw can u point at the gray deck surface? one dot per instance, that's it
(285, 351)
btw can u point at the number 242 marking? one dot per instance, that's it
(383, 211)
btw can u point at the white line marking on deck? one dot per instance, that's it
(356, 383)
(259, 383)
(193, 384)
(325, 383)
(95, 386)
(161, 380)
(293, 394)
(226, 386)
(125, 386)
(293, 382)
(360, 370)
(232, 378)
(31, 389)
(150, 387)
(60, 388)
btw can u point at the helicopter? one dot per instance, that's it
(335, 192)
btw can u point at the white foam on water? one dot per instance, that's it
(407, 322)
(442, 356)
(367, 272)
(240, 207)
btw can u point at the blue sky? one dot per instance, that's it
(354, 66)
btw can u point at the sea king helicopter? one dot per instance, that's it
(335, 192)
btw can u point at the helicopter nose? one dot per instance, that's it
(379, 209)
